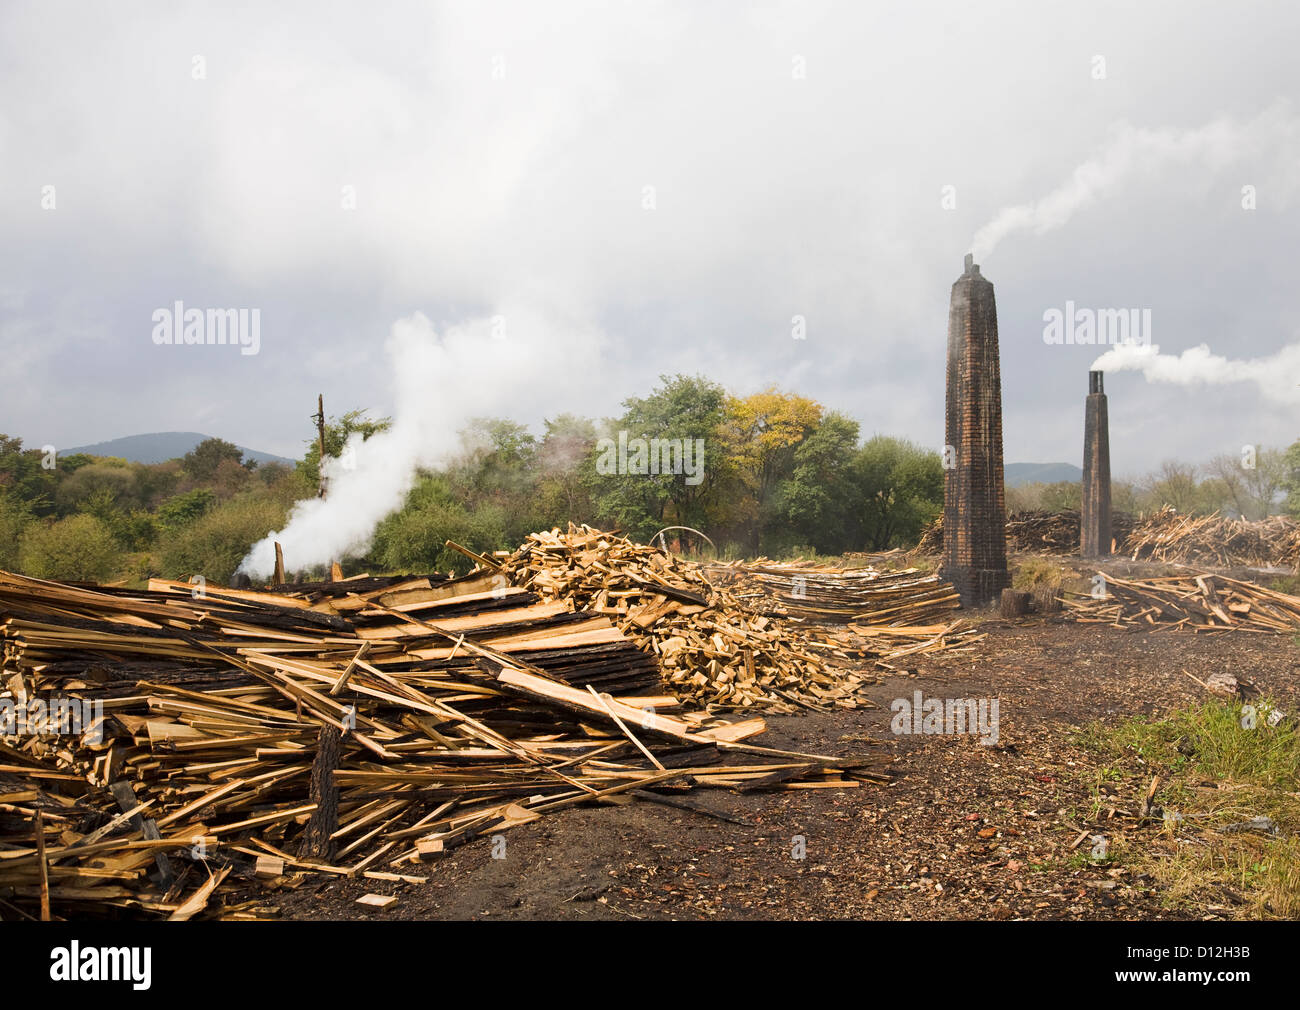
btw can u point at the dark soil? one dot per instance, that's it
(965, 831)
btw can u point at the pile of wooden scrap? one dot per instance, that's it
(930, 542)
(714, 650)
(1169, 536)
(1165, 535)
(199, 748)
(1035, 532)
(1204, 602)
(835, 595)
(1046, 532)
(716, 647)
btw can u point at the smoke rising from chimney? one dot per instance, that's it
(1273, 136)
(493, 364)
(1277, 377)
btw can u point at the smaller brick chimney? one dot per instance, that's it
(1094, 527)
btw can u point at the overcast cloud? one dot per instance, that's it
(500, 155)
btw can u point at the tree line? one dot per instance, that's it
(778, 475)
(1254, 484)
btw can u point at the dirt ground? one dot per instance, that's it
(964, 831)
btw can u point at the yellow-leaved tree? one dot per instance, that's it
(758, 438)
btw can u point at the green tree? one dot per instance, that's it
(182, 509)
(25, 475)
(499, 459)
(1173, 484)
(757, 443)
(1124, 496)
(902, 491)
(202, 462)
(337, 432)
(105, 481)
(681, 408)
(14, 519)
(1062, 496)
(1248, 484)
(564, 487)
(820, 500)
(414, 538)
(1289, 479)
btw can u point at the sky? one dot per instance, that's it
(633, 190)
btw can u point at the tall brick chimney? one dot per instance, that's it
(1094, 528)
(974, 499)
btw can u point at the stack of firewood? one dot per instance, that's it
(839, 595)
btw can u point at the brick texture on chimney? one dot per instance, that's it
(974, 498)
(1095, 530)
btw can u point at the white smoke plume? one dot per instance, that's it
(1277, 376)
(440, 381)
(1130, 150)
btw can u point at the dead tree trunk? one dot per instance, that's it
(316, 840)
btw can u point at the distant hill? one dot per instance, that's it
(1044, 473)
(160, 446)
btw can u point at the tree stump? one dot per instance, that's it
(1046, 599)
(1014, 603)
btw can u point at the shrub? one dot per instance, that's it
(79, 548)
(181, 509)
(1032, 573)
(96, 483)
(14, 518)
(414, 540)
(213, 545)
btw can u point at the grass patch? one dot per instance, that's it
(1032, 572)
(1289, 584)
(1220, 765)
